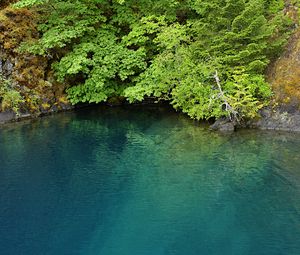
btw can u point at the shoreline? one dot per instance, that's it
(269, 120)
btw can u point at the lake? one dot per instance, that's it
(145, 180)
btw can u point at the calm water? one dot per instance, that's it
(146, 181)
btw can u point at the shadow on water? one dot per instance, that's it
(146, 180)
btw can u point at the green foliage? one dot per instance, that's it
(29, 3)
(101, 60)
(9, 97)
(169, 50)
(246, 93)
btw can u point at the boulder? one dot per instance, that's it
(223, 125)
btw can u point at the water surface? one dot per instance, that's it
(146, 181)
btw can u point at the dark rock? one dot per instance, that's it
(277, 120)
(66, 107)
(7, 116)
(6, 67)
(223, 125)
(44, 111)
(116, 101)
(54, 108)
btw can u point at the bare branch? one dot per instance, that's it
(233, 114)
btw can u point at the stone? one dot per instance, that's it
(7, 68)
(223, 125)
(279, 120)
(7, 116)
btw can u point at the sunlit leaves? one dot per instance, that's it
(101, 60)
(164, 49)
(28, 3)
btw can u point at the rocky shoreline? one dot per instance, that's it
(10, 116)
(270, 120)
(280, 121)
(32, 77)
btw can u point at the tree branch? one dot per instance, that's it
(233, 114)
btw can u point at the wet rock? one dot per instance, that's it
(65, 107)
(223, 125)
(54, 108)
(7, 116)
(277, 120)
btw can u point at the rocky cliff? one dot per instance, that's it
(284, 76)
(25, 78)
(284, 73)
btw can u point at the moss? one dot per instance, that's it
(63, 99)
(37, 84)
(284, 73)
(16, 26)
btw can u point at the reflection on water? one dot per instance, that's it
(124, 181)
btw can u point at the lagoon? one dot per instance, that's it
(144, 180)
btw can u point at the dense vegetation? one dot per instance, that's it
(206, 57)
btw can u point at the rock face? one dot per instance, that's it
(279, 120)
(269, 120)
(7, 116)
(284, 77)
(284, 73)
(27, 74)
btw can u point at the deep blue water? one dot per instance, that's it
(146, 181)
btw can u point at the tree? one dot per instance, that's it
(166, 49)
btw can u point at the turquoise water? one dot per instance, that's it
(146, 181)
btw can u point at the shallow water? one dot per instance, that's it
(146, 181)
